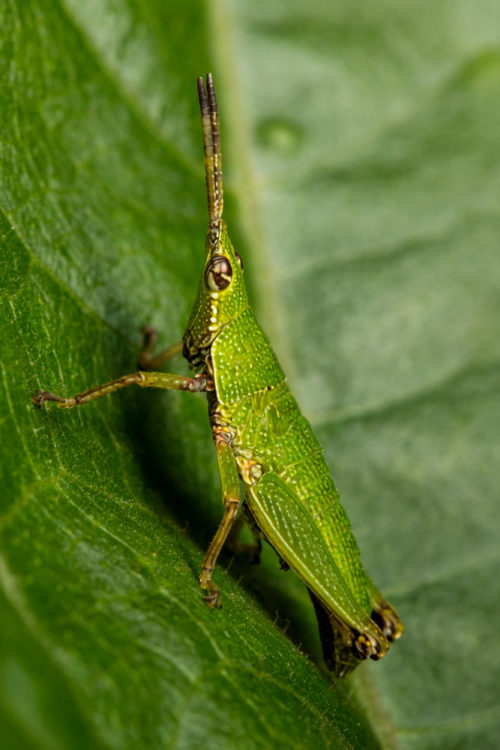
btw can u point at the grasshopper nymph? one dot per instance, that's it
(262, 440)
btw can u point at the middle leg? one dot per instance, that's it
(231, 499)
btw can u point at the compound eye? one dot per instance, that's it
(218, 274)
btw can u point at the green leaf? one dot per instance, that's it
(360, 148)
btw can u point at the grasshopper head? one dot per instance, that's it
(221, 294)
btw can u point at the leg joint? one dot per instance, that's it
(231, 503)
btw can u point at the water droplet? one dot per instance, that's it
(280, 135)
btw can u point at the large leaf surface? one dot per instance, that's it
(363, 190)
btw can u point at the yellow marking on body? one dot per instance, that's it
(250, 470)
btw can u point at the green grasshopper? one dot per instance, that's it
(262, 439)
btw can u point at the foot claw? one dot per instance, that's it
(213, 598)
(40, 397)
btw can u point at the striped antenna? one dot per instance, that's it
(213, 158)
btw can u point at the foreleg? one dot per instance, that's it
(143, 379)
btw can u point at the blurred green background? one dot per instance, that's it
(362, 179)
